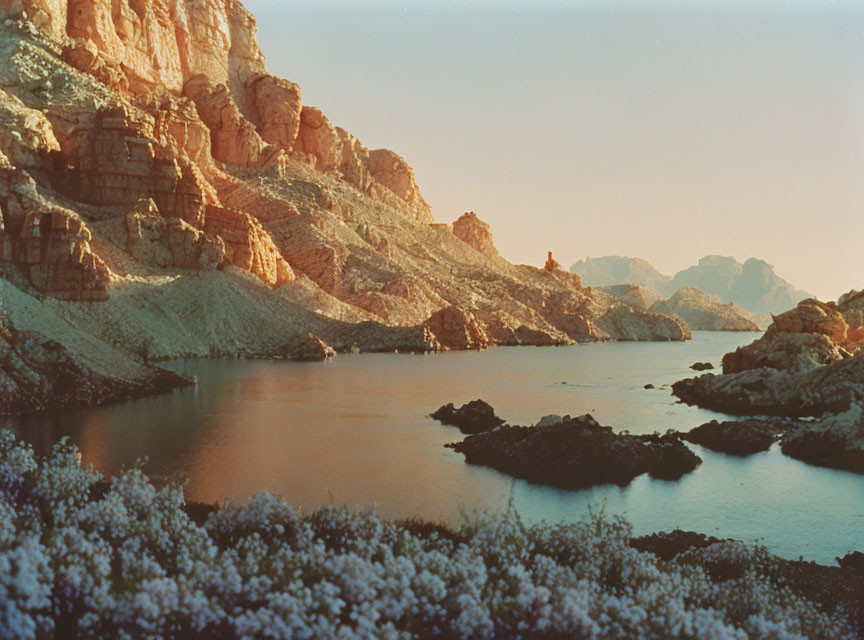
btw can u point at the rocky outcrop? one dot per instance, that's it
(234, 140)
(390, 170)
(577, 453)
(318, 142)
(835, 441)
(810, 335)
(813, 316)
(476, 416)
(49, 243)
(170, 242)
(247, 245)
(551, 263)
(766, 391)
(704, 312)
(110, 158)
(274, 105)
(37, 373)
(784, 352)
(455, 328)
(738, 437)
(626, 323)
(471, 230)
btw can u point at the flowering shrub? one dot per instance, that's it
(84, 557)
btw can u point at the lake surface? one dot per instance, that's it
(355, 431)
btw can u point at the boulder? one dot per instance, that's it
(456, 328)
(701, 366)
(306, 347)
(473, 417)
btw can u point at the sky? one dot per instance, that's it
(660, 129)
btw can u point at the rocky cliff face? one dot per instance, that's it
(810, 361)
(158, 187)
(753, 285)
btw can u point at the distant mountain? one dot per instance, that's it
(752, 285)
(611, 270)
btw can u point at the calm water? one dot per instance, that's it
(354, 431)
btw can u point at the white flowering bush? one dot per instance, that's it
(81, 556)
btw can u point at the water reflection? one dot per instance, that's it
(354, 431)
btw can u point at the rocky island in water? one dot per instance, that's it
(166, 199)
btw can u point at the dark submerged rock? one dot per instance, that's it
(702, 366)
(578, 453)
(476, 416)
(738, 438)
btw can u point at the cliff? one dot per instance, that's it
(159, 188)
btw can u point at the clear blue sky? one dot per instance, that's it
(597, 127)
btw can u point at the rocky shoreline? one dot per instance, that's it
(809, 364)
(37, 374)
(738, 438)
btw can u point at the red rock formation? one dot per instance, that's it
(456, 328)
(812, 316)
(473, 231)
(50, 244)
(169, 242)
(317, 142)
(274, 105)
(355, 161)
(811, 335)
(247, 245)
(551, 265)
(108, 159)
(391, 171)
(234, 140)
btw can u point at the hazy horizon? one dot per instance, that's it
(597, 128)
